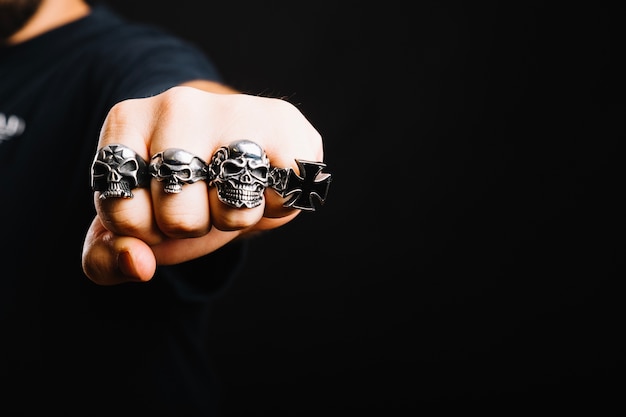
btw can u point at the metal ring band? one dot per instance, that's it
(116, 170)
(240, 171)
(176, 167)
(305, 192)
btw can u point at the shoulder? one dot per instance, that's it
(115, 34)
(140, 58)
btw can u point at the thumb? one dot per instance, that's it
(109, 259)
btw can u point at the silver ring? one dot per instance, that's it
(240, 171)
(176, 167)
(305, 192)
(116, 170)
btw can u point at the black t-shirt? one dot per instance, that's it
(68, 346)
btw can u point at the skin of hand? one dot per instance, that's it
(128, 238)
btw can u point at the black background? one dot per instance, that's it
(467, 254)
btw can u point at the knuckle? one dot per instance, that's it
(183, 226)
(237, 219)
(124, 220)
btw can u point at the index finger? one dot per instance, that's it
(119, 172)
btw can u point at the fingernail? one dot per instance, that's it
(126, 265)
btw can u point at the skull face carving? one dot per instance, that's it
(176, 167)
(240, 171)
(116, 170)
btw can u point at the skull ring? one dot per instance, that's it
(240, 171)
(176, 167)
(116, 170)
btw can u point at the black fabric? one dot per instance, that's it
(70, 347)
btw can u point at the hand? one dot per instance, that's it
(129, 237)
